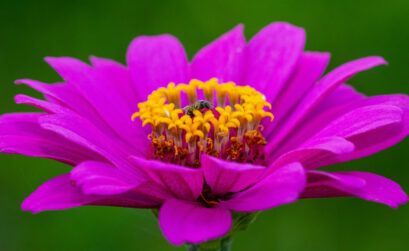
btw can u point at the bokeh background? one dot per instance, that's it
(349, 29)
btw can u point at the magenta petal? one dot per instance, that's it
(101, 178)
(185, 221)
(272, 55)
(67, 96)
(84, 133)
(367, 142)
(156, 61)
(20, 133)
(102, 94)
(224, 176)
(320, 91)
(367, 122)
(344, 94)
(129, 199)
(56, 194)
(362, 120)
(222, 59)
(309, 69)
(120, 77)
(61, 193)
(283, 186)
(182, 182)
(40, 104)
(367, 186)
(384, 136)
(314, 152)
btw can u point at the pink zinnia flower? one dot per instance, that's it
(243, 127)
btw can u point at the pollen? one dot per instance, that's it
(219, 119)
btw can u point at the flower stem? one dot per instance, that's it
(190, 247)
(226, 246)
(223, 245)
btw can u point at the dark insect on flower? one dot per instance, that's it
(199, 105)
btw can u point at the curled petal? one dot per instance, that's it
(224, 177)
(181, 182)
(101, 178)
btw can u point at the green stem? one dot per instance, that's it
(190, 247)
(226, 246)
(223, 245)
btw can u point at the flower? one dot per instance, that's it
(242, 128)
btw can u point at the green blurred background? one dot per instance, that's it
(348, 29)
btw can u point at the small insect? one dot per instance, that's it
(199, 105)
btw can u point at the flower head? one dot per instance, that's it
(242, 128)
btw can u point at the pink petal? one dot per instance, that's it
(368, 128)
(56, 194)
(84, 133)
(129, 199)
(60, 193)
(156, 61)
(20, 133)
(102, 94)
(383, 136)
(222, 59)
(182, 182)
(320, 91)
(154, 191)
(314, 152)
(283, 186)
(67, 96)
(369, 141)
(272, 55)
(224, 177)
(367, 186)
(362, 120)
(40, 104)
(185, 221)
(367, 120)
(56, 108)
(309, 69)
(334, 106)
(120, 77)
(101, 178)
(344, 94)
(98, 178)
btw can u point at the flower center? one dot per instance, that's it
(189, 119)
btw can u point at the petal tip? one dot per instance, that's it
(378, 60)
(50, 60)
(20, 81)
(27, 206)
(239, 28)
(93, 58)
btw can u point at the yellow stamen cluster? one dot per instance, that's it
(234, 107)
